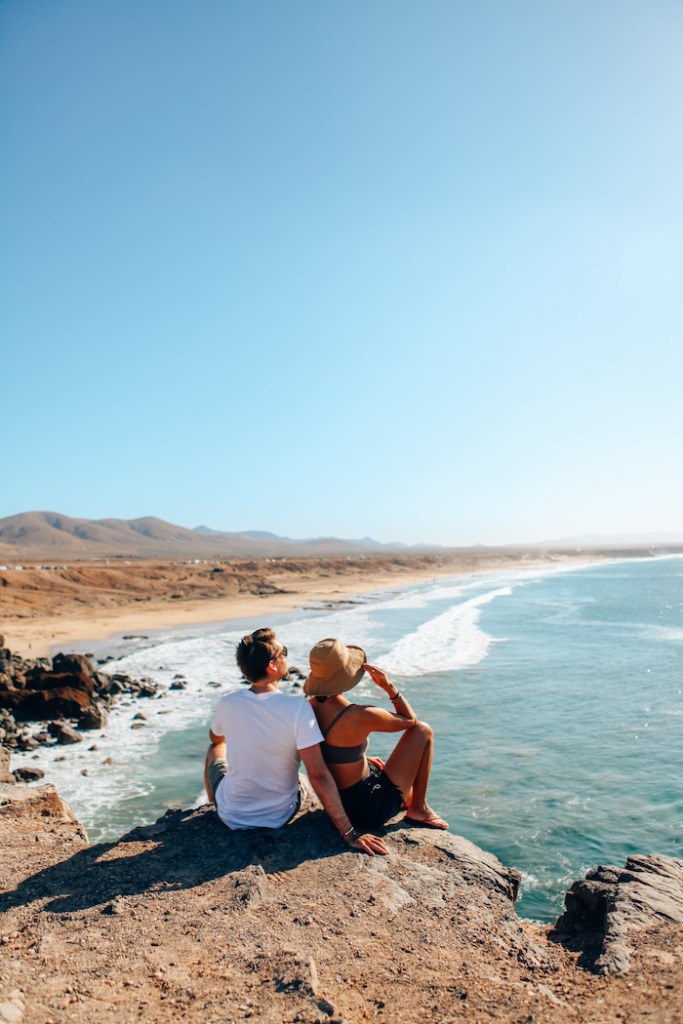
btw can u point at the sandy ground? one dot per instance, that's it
(183, 921)
(43, 609)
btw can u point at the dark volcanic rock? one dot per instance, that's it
(68, 687)
(40, 678)
(23, 742)
(93, 717)
(41, 704)
(77, 664)
(611, 903)
(28, 774)
(111, 686)
(63, 733)
(146, 688)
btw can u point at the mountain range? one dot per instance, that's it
(49, 535)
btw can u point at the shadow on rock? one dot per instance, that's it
(180, 851)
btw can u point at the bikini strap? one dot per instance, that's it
(335, 720)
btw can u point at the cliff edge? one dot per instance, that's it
(184, 920)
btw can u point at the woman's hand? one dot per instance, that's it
(377, 761)
(402, 709)
(379, 677)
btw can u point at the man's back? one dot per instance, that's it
(263, 734)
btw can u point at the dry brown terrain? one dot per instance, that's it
(43, 608)
(185, 921)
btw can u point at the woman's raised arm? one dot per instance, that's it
(402, 708)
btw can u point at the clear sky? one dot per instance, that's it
(405, 270)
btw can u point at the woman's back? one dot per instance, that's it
(346, 738)
(335, 754)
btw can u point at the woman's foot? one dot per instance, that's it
(425, 818)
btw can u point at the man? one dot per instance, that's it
(258, 737)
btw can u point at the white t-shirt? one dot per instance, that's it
(264, 733)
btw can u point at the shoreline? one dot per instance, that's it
(40, 638)
(195, 655)
(304, 894)
(64, 622)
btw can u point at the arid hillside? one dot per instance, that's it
(49, 535)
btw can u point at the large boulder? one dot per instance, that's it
(28, 774)
(607, 907)
(63, 732)
(35, 689)
(39, 705)
(33, 801)
(77, 664)
(40, 678)
(94, 717)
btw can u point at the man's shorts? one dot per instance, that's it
(218, 769)
(216, 772)
(372, 801)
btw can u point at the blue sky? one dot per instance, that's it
(412, 271)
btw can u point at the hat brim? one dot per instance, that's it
(340, 682)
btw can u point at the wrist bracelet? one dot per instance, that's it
(348, 832)
(397, 697)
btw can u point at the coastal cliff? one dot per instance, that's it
(184, 920)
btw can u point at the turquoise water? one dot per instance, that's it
(555, 696)
(571, 728)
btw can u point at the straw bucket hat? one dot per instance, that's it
(335, 668)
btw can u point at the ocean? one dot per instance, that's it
(555, 695)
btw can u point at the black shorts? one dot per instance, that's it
(372, 801)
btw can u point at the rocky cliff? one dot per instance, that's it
(184, 920)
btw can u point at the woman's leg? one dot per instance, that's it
(409, 768)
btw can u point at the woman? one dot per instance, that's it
(371, 792)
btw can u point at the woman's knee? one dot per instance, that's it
(425, 731)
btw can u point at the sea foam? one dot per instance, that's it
(451, 641)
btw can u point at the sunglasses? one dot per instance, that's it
(280, 654)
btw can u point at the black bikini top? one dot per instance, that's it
(342, 755)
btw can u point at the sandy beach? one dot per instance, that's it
(44, 609)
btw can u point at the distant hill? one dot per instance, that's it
(49, 535)
(612, 540)
(265, 535)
